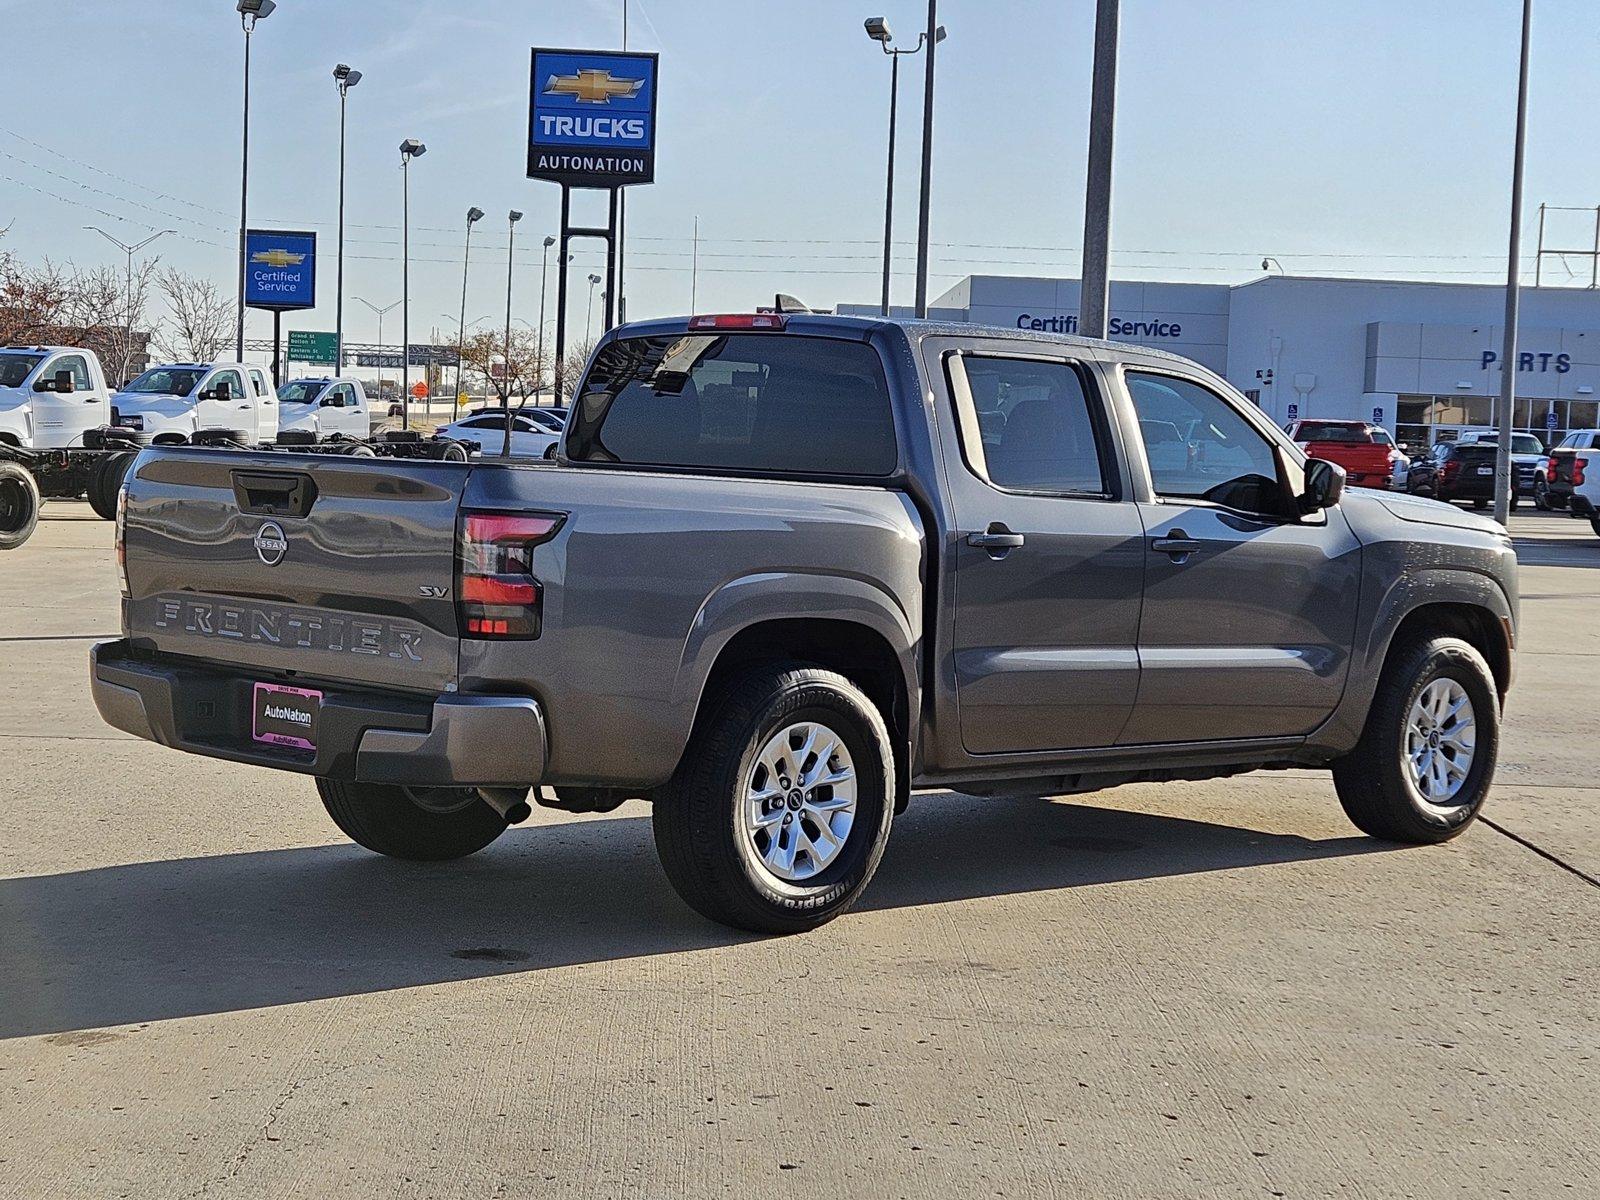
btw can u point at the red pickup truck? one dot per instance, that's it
(1365, 451)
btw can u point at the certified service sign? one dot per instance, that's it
(280, 270)
(592, 118)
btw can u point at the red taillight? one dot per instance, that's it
(1550, 471)
(1451, 469)
(1578, 464)
(497, 595)
(120, 539)
(739, 321)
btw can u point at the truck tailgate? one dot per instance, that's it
(1366, 463)
(307, 566)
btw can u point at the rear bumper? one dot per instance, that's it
(445, 741)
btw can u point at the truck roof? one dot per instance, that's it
(833, 324)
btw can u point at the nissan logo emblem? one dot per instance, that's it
(271, 545)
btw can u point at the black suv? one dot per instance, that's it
(1457, 471)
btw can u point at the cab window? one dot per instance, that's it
(1203, 448)
(235, 384)
(79, 367)
(260, 382)
(1029, 428)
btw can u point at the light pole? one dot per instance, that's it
(544, 279)
(1094, 284)
(250, 11)
(130, 251)
(1504, 483)
(926, 199)
(878, 31)
(409, 149)
(588, 327)
(345, 78)
(511, 242)
(378, 312)
(474, 215)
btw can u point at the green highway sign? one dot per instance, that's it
(310, 346)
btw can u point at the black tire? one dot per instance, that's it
(106, 482)
(390, 820)
(454, 452)
(1480, 505)
(19, 505)
(700, 829)
(1594, 524)
(1541, 497)
(1372, 781)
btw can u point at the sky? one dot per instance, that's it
(1367, 137)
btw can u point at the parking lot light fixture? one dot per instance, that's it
(345, 77)
(250, 11)
(409, 149)
(588, 328)
(511, 242)
(878, 31)
(544, 278)
(474, 215)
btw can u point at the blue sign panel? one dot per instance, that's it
(1377, 416)
(1550, 421)
(280, 270)
(592, 118)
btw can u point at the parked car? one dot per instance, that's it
(1573, 475)
(787, 569)
(325, 409)
(530, 438)
(1367, 459)
(1526, 451)
(51, 396)
(169, 404)
(1457, 471)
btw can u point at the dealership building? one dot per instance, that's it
(1422, 359)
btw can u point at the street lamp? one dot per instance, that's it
(130, 251)
(250, 11)
(511, 241)
(409, 149)
(588, 328)
(878, 31)
(544, 279)
(925, 200)
(345, 78)
(378, 312)
(474, 215)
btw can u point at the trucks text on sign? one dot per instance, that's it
(592, 118)
(280, 270)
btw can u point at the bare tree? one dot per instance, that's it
(106, 308)
(199, 321)
(485, 355)
(572, 370)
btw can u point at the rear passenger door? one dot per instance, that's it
(1249, 611)
(1048, 552)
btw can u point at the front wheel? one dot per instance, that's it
(1541, 497)
(1426, 758)
(780, 811)
(421, 824)
(19, 505)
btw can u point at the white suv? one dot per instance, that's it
(1572, 478)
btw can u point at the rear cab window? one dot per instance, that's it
(1027, 425)
(763, 403)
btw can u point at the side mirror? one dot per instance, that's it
(222, 391)
(1324, 485)
(60, 382)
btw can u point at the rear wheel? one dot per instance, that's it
(420, 824)
(1426, 758)
(106, 481)
(1594, 524)
(780, 811)
(19, 505)
(1541, 496)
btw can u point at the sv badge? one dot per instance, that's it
(433, 591)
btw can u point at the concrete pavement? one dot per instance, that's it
(1191, 989)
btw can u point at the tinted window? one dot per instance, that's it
(741, 402)
(1331, 431)
(1218, 455)
(301, 391)
(1034, 431)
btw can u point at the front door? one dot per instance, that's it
(1049, 558)
(60, 419)
(236, 412)
(1248, 611)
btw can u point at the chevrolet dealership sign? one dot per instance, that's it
(592, 118)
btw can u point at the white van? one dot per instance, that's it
(50, 396)
(325, 408)
(169, 404)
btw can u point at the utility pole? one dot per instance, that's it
(511, 244)
(474, 215)
(250, 11)
(345, 78)
(932, 36)
(1094, 284)
(1504, 483)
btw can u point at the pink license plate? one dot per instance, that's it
(285, 716)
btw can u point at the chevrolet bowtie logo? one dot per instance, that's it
(277, 258)
(593, 86)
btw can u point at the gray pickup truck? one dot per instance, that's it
(787, 569)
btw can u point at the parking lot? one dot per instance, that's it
(1177, 990)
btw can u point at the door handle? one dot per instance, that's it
(1178, 544)
(997, 540)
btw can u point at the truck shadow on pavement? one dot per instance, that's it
(157, 940)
